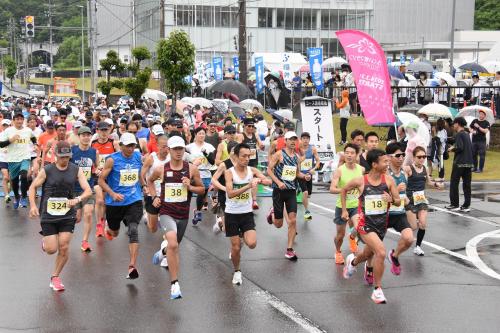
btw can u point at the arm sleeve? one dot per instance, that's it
(4, 144)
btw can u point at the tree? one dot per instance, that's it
(10, 68)
(140, 53)
(487, 15)
(112, 65)
(176, 61)
(69, 54)
(136, 85)
(106, 86)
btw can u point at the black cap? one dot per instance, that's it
(58, 124)
(103, 125)
(177, 123)
(248, 121)
(88, 114)
(229, 128)
(305, 134)
(136, 117)
(18, 114)
(124, 120)
(290, 126)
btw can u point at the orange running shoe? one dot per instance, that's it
(99, 230)
(353, 245)
(339, 258)
(85, 246)
(108, 235)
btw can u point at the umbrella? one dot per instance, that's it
(333, 62)
(405, 118)
(412, 108)
(436, 110)
(394, 72)
(156, 95)
(250, 104)
(272, 76)
(278, 115)
(473, 111)
(231, 97)
(220, 105)
(203, 102)
(420, 67)
(473, 67)
(304, 69)
(251, 77)
(446, 77)
(284, 113)
(492, 66)
(233, 87)
(252, 69)
(237, 110)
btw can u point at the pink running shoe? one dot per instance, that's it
(56, 284)
(368, 276)
(395, 269)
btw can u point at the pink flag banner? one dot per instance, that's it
(369, 68)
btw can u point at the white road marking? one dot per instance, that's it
(290, 312)
(471, 250)
(464, 215)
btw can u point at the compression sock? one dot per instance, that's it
(420, 236)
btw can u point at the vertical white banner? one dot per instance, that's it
(317, 120)
(287, 70)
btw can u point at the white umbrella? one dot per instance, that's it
(157, 95)
(492, 66)
(203, 102)
(405, 118)
(435, 110)
(250, 104)
(333, 62)
(188, 100)
(285, 113)
(473, 111)
(446, 77)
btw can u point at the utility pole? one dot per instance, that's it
(50, 46)
(452, 51)
(92, 24)
(133, 25)
(242, 40)
(162, 36)
(83, 58)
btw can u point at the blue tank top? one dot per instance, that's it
(85, 160)
(308, 163)
(124, 179)
(398, 210)
(285, 171)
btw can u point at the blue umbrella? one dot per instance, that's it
(394, 72)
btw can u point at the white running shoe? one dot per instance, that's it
(349, 269)
(237, 280)
(418, 251)
(378, 296)
(164, 262)
(175, 291)
(217, 226)
(144, 219)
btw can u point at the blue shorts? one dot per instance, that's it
(206, 182)
(4, 165)
(15, 168)
(338, 215)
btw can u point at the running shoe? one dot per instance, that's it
(307, 215)
(368, 275)
(108, 235)
(464, 209)
(237, 280)
(217, 228)
(395, 265)
(158, 256)
(196, 217)
(85, 246)
(132, 273)
(418, 251)
(255, 205)
(164, 262)
(7, 199)
(205, 207)
(270, 216)
(378, 296)
(99, 230)
(339, 258)
(175, 291)
(349, 269)
(23, 202)
(144, 219)
(16, 204)
(291, 255)
(353, 244)
(452, 208)
(56, 283)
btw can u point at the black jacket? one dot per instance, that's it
(463, 150)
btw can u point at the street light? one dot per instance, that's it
(83, 59)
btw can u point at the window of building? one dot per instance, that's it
(265, 19)
(226, 17)
(299, 45)
(204, 16)
(331, 48)
(280, 18)
(184, 15)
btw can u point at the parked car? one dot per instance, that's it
(36, 90)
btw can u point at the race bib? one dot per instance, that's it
(21, 141)
(243, 197)
(401, 207)
(289, 173)
(353, 195)
(419, 198)
(102, 160)
(175, 192)
(306, 164)
(129, 177)
(57, 206)
(253, 154)
(375, 205)
(87, 171)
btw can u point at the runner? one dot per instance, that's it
(120, 180)
(378, 192)
(343, 175)
(418, 176)
(18, 139)
(284, 169)
(358, 138)
(372, 141)
(179, 180)
(310, 163)
(48, 155)
(57, 207)
(105, 146)
(397, 215)
(4, 166)
(222, 152)
(85, 157)
(239, 220)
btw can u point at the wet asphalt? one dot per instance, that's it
(435, 293)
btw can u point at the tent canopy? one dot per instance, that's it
(274, 61)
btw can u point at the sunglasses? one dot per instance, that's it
(65, 150)
(230, 133)
(251, 126)
(131, 132)
(399, 155)
(421, 156)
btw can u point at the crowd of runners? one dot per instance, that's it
(131, 165)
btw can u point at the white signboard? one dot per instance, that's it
(317, 120)
(287, 70)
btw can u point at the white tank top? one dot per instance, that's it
(156, 163)
(241, 203)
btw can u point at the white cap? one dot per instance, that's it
(46, 118)
(6, 122)
(157, 130)
(289, 135)
(127, 139)
(75, 112)
(77, 124)
(43, 113)
(109, 121)
(175, 142)
(52, 109)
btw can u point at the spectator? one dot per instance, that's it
(441, 93)
(309, 85)
(479, 129)
(475, 92)
(403, 92)
(424, 95)
(344, 107)
(462, 166)
(297, 88)
(442, 134)
(496, 94)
